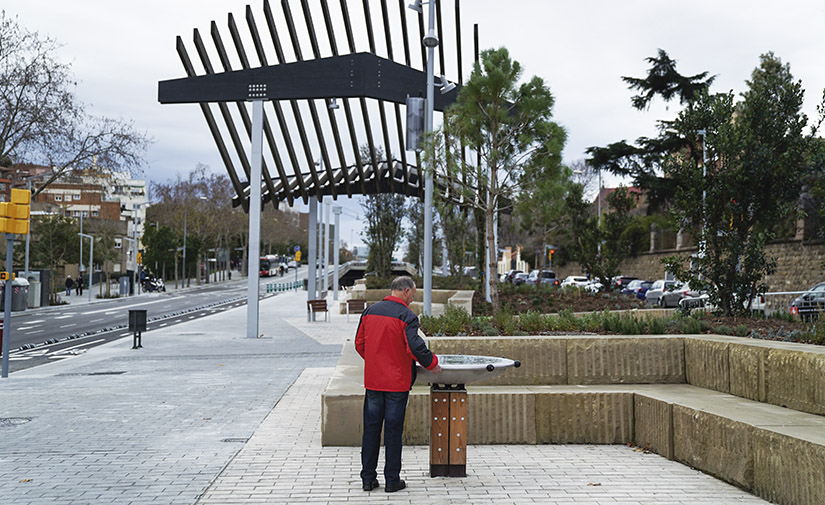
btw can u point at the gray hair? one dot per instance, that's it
(402, 283)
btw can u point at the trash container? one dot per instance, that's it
(19, 295)
(306, 284)
(34, 293)
(124, 286)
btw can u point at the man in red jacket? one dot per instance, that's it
(388, 341)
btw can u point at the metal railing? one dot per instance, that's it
(280, 287)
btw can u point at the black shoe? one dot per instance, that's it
(369, 486)
(398, 486)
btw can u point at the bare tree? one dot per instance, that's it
(41, 119)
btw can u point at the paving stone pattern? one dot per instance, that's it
(163, 429)
(204, 415)
(284, 463)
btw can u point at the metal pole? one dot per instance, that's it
(185, 275)
(29, 234)
(135, 250)
(81, 242)
(703, 133)
(428, 175)
(7, 306)
(318, 247)
(91, 257)
(313, 234)
(325, 255)
(600, 215)
(336, 247)
(254, 219)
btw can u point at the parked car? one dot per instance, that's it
(537, 277)
(520, 278)
(594, 286)
(809, 304)
(637, 288)
(654, 293)
(621, 281)
(672, 296)
(510, 275)
(575, 281)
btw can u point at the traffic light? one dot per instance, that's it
(14, 215)
(551, 253)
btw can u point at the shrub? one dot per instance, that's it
(690, 325)
(455, 319)
(505, 322)
(532, 322)
(430, 325)
(656, 326)
(724, 330)
(741, 330)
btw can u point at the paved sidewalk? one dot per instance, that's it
(204, 415)
(284, 463)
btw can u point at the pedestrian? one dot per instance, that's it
(79, 286)
(69, 285)
(388, 339)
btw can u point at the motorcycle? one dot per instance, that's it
(153, 284)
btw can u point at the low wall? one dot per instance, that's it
(440, 297)
(799, 265)
(746, 411)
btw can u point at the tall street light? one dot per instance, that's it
(430, 41)
(703, 133)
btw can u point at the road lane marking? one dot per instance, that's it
(33, 332)
(80, 345)
(69, 325)
(125, 334)
(110, 309)
(64, 317)
(97, 320)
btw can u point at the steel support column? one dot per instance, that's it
(253, 263)
(313, 235)
(335, 250)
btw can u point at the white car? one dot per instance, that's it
(576, 281)
(594, 286)
(293, 264)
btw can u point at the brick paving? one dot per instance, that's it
(285, 463)
(204, 415)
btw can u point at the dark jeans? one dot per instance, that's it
(387, 409)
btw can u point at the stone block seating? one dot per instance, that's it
(749, 412)
(440, 297)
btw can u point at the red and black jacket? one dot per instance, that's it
(388, 341)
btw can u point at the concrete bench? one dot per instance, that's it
(704, 401)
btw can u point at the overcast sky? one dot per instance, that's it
(120, 50)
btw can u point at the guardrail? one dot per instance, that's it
(280, 287)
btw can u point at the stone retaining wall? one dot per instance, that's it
(799, 265)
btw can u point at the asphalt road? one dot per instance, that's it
(53, 333)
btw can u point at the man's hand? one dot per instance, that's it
(437, 369)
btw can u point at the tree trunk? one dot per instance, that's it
(493, 264)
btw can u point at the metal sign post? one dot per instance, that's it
(7, 306)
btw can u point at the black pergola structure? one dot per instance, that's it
(302, 62)
(302, 124)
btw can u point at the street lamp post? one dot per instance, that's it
(91, 255)
(703, 133)
(430, 41)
